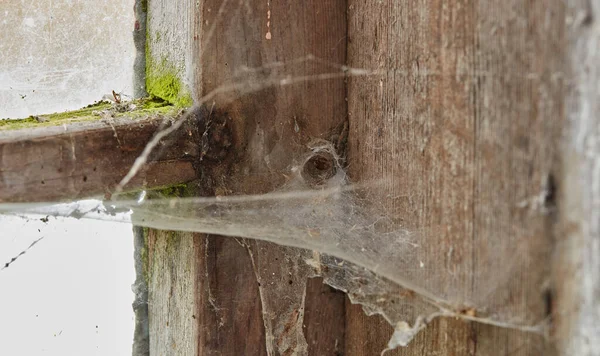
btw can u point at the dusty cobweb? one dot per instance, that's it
(347, 238)
(340, 228)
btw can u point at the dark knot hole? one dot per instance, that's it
(319, 168)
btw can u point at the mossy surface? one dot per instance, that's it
(149, 106)
(144, 108)
(175, 191)
(162, 81)
(84, 114)
(163, 78)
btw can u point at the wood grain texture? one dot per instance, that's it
(462, 126)
(271, 127)
(171, 49)
(88, 159)
(181, 282)
(171, 276)
(325, 319)
(250, 296)
(577, 268)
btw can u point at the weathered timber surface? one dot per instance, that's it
(463, 128)
(172, 32)
(271, 128)
(82, 160)
(577, 268)
(171, 48)
(252, 297)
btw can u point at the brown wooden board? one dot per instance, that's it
(237, 307)
(84, 159)
(462, 122)
(271, 127)
(463, 127)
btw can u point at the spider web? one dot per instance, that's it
(341, 228)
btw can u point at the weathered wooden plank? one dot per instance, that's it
(462, 127)
(170, 50)
(173, 31)
(577, 268)
(251, 294)
(171, 296)
(270, 128)
(325, 322)
(85, 159)
(368, 335)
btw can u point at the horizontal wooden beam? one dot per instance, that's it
(85, 159)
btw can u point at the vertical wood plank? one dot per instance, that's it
(462, 127)
(270, 127)
(176, 260)
(228, 309)
(171, 45)
(324, 319)
(172, 270)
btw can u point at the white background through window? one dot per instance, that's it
(70, 294)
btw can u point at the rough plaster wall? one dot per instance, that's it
(61, 55)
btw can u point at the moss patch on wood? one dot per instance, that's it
(84, 114)
(163, 81)
(150, 106)
(163, 78)
(175, 191)
(143, 108)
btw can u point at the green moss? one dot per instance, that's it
(144, 108)
(163, 79)
(150, 106)
(174, 191)
(153, 103)
(84, 114)
(163, 82)
(172, 241)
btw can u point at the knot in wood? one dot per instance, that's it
(319, 168)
